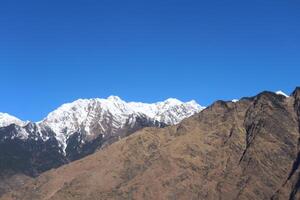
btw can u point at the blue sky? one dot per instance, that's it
(52, 52)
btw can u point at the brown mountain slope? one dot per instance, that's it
(10, 180)
(243, 150)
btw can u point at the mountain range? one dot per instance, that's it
(240, 149)
(77, 129)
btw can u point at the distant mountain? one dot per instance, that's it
(113, 117)
(247, 149)
(79, 128)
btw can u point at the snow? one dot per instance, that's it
(281, 93)
(6, 120)
(234, 100)
(92, 117)
(84, 114)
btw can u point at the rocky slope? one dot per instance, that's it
(247, 149)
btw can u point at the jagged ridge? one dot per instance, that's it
(77, 129)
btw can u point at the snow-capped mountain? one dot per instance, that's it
(79, 128)
(6, 119)
(92, 117)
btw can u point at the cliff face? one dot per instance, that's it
(243, 150)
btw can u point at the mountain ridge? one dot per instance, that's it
(231, 150)
(11, 118)
(80, 128)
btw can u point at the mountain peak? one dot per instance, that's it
(114, 98)
(296, 92)
(6, 120)
(173, 101)
(279, 92)
(108, 116)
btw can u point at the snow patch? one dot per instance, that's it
(282, 93)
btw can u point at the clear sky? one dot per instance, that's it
(55, 51)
